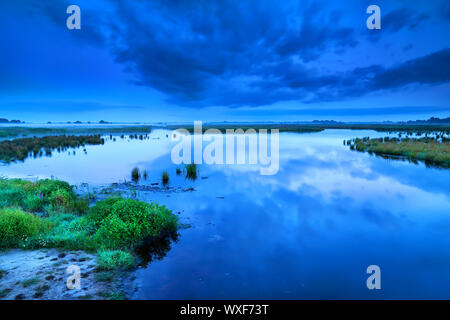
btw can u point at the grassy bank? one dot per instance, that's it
(20, 149)
(48, 214)
(280, 127)
(317, 127)
(11, 132)
(430, 150)
(406, 128)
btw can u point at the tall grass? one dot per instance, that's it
(20, 149)
(24, 131)
(191, 171)
(135, 174)
(45, 196)
(432, 151)
(165, 177)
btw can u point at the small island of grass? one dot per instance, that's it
(433, 151)
(49, 214)
(10, 132)
(20, 149)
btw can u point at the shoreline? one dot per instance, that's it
(41, 274)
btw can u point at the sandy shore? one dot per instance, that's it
(41, 274)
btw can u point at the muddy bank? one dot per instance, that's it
(41, 274)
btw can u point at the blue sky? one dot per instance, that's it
(185, 60)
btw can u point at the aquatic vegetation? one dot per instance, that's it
(317, 127)
(282, 127)
(6, 132)
(115, 259)
(20, 149)
(165, 177)
(129, 222)
(41, 196)
(191, 171)
(433, 151)
(115, 226)
(135, 174)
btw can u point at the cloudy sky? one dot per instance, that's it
(235, 60)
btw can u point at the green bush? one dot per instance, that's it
(18, 227)
(98, 212)
(129, 222)
(115, 225)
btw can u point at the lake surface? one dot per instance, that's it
(308, 232)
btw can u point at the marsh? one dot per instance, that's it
(308, 232)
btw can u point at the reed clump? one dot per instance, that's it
(135, 174)
(165, 177)
(191, 171)
(432, 150)
(20, 149)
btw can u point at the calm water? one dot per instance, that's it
(308, 232)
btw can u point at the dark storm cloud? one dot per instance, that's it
(233, 53)
(227, 52)
(431, 69)
(396, 20)
(253, 53)
(314, 34)
(331, 112)
(401, 18)
(444, 10)
(92, 20)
